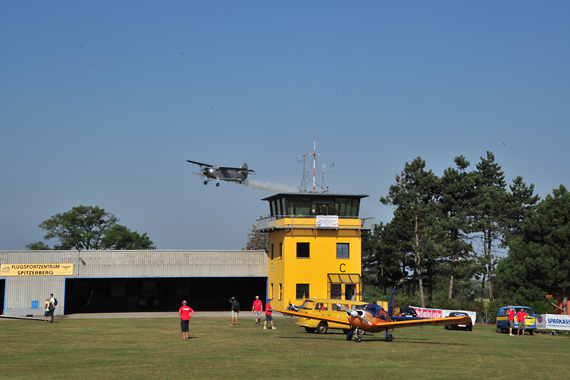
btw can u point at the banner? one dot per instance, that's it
(427, 313)
(327, 221)
(36, 270)
(552, 322)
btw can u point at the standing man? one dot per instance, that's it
(53, 301)
(235, 310)
(520, 316)
(268, 316)
(511, 314)
(257, 309)
(185, 312)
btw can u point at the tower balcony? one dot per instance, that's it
(331, 222)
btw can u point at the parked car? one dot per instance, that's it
(468, 326)
(503, 319)
(404, 312)
(325, 308)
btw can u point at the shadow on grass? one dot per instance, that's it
(370, 339)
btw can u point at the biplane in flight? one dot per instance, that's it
(211, 172)
(373, 318)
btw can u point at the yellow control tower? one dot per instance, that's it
(314, 246)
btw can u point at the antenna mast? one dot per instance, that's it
(302, 187)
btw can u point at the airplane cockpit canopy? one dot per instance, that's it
(376, 310)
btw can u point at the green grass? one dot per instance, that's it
(151, 348)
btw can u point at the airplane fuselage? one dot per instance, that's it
(224, 174)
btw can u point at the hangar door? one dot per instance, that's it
(2, 293)
(112, 295)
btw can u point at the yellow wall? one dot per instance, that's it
(288, 270)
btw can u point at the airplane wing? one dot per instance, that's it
(291, 313)
(424, 322)
(199, 163)
(384, 325)
(241, 170)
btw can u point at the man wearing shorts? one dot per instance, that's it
(520, 316)
(235, 310)
(257, 309)
(268, 316)
(185, 312)
(511, 314)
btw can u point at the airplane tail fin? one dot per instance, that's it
(244, 166)
(391, 304)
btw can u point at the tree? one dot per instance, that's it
(39, 246)
(120, 237)
(521, 201)
(490, 215)
(415, 194)
(380, 261)
(539, 259)
(90, 227)
(455, 223)
(257, 240)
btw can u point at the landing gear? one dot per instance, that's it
(389, 337)
(349, 335)
(218, 184)
(205, 182)
(357, 339)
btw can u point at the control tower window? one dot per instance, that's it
(302, 291)
(342, 251)
(303, 250)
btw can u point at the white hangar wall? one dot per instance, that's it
(21, 291)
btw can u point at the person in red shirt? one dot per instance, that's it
(511, 314)
(185, 312)
(268, 316)
(257, 309)
(520, 317)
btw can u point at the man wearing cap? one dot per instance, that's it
(511, 314)
(257, 309)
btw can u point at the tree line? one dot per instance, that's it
(466, 236)
(89, 227)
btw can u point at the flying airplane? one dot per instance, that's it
(211, 172)
(373, 318)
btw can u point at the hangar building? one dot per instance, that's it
(127, 281)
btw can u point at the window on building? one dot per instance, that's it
(280, 251)
(302, 291)
(303, 250)
(272, 253)
(342, 251)
(271, 292)
(280, 292)
(336, 291)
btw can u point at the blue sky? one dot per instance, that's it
(102, 103)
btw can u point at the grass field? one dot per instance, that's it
(152, 348)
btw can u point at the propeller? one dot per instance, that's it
(354, 313)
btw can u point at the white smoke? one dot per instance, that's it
(270, 187)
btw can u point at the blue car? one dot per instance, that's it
(503, 319)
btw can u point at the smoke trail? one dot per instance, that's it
(270, 187)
